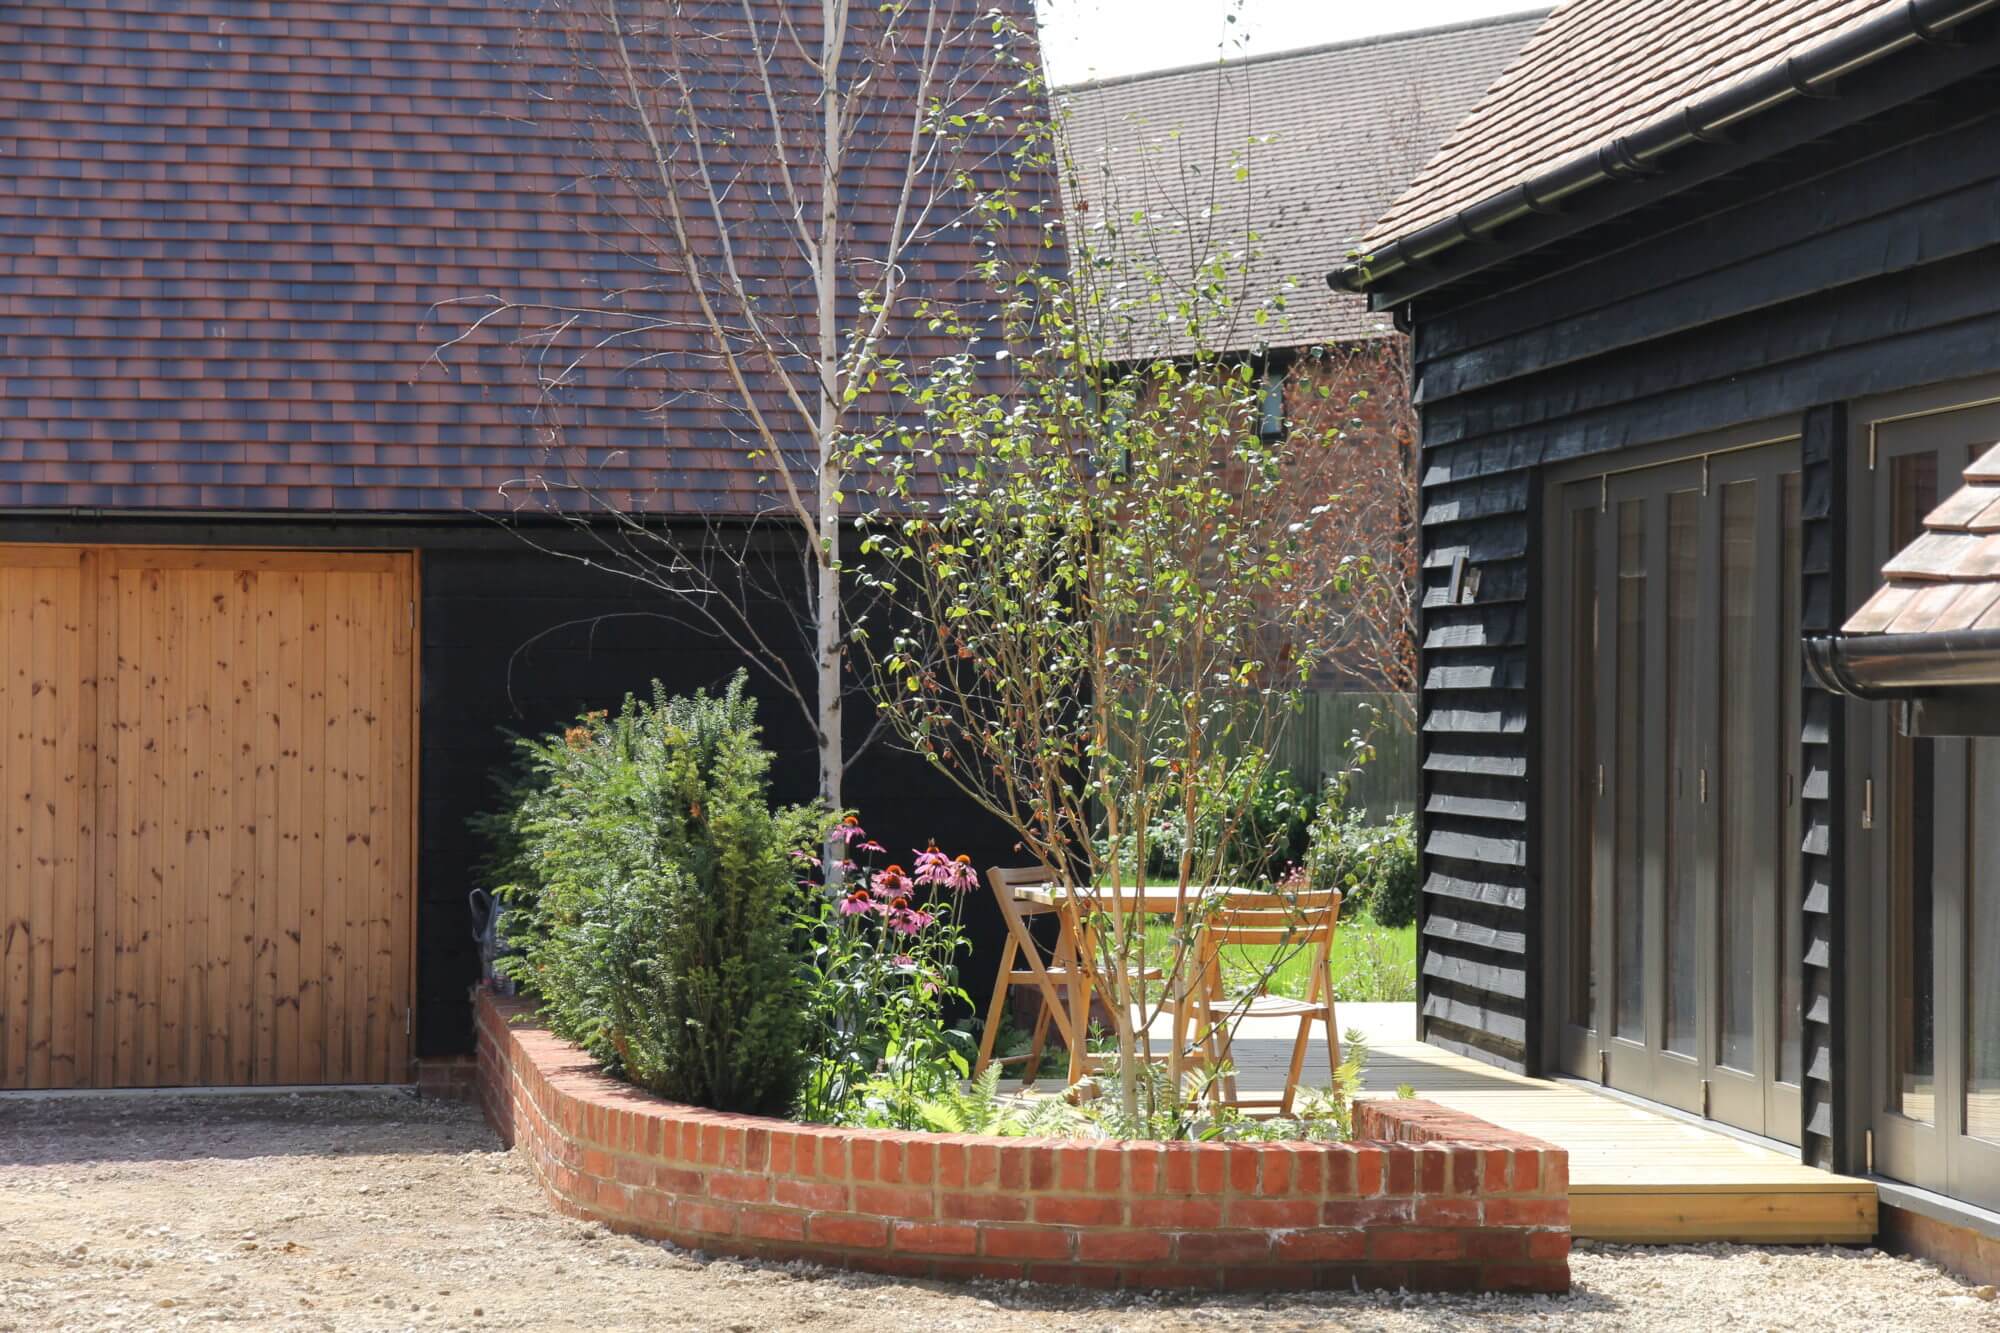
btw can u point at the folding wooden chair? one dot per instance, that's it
(1305, 921)
(1046, 975)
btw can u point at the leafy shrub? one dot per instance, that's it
(1270, 832)
(1373, 865)
(653, 898)
(1273, 831)
(1394, 876)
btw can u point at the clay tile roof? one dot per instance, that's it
(1948, 577)
(1325, 137)
(1600, 69)
(226, 228)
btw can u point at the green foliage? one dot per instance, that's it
(1377, 964)
(1188, 1114)
(1320, 1114)
(1373, 865)
(652, 898)
(1273, 834)
(881, 982)
(1371, 964)
(1253, 832)
(976, 1107)
(1103, 586)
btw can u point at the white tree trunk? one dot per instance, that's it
(828, 639)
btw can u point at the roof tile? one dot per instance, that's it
(1875, 614)
(1933, 555)
(1987, 519)
(1986, 467)
(1601, 69)
(235, 235)
(1948, 577)
(1973, 601)
(1962, 507)
(1302, 148)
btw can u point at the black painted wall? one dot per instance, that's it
(1852, 249)
(517, 640)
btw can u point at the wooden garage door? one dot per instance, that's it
(206, 762)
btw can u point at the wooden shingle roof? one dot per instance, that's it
(1302, 148)
(1948, 578)
(1601, 69)
(232, 233)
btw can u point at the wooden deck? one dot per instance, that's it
(1636, 1175)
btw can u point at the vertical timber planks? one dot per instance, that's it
(312, 851)
(206, 815)
(43, 919)
(84, 990)
(367, 791)
(287, 592)
(103, 1071)
(333, 884)
(264, 834)
(15, 940)
(243, 832)
(197, 750)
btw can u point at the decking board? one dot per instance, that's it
(1636, 1175)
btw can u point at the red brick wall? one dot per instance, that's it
(1451, 1203)
(449, 1078)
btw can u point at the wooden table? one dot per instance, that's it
(1142, 900)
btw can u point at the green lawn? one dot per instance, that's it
(1370, 962)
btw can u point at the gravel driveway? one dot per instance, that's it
(360, 1211)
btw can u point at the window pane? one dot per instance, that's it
(1913, 981)
(1791, 901)
(1982, 978)
(1629, 1021)
(1738, 743)
(1684, 758)
(1583, 803)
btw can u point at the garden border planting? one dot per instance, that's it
(1427, 1198)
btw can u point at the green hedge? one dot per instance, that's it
(651, 891)
(1373, 865)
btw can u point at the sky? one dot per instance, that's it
(1101, 39)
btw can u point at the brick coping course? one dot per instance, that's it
(1426, 1198)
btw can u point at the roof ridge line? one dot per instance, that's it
(1323, 48)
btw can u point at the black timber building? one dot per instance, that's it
(1705, 299)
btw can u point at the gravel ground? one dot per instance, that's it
(361, 1211)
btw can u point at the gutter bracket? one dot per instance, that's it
(1692, 126)
(1923, 31)
(1803, 85)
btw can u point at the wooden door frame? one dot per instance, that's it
(97, 560)
(1937, 1156)
(1551, 756)
(1737, 1097)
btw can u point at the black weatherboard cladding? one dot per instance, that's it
(1859, 257)
(521, 640)
(1823, 515)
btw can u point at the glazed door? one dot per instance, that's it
(1931, 810)
(1674, 745)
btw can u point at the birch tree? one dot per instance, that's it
(770, 183)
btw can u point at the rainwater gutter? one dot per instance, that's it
(1888, 666)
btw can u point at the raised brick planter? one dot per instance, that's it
(1431, 1199)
